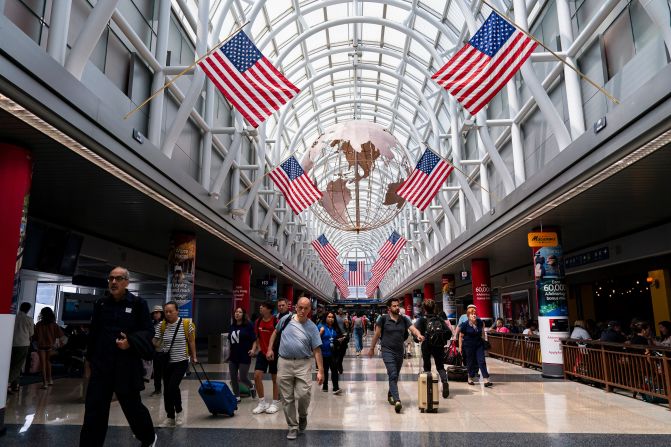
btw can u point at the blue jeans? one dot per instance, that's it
(393, 361)
(358, 339)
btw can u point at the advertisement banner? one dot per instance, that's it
(482, 290)
(551, 298)
(449, 300)
(242, 275)
(181, 272)
(271, 289)
(417, 299)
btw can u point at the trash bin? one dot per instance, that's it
(215, 347)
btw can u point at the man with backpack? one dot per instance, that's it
(436, 334)
(393, 330)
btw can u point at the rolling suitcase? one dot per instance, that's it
(217, 395)
(428, 392)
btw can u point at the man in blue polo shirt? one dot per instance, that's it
(300, 341)
(393, 328)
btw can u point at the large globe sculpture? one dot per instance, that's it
(359, 166)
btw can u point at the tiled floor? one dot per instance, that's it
(522, 408)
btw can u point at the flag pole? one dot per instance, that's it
(181, 73)
(571, 66)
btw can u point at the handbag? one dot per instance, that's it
(164, 357)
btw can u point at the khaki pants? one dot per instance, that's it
(294, 378)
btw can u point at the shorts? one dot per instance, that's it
(265, 365)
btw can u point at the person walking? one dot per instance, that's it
(472, 347)
(49, 337)
(175, 338)
(264, 328)
(329, 333)
(120, 332)
(392, 329)
(156, 318)
(24, 329)
(359, 331)
(300, 342)
(241, 337)
(436, 334)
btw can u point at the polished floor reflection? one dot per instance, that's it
(522, 407)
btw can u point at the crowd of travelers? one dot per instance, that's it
(127, 346)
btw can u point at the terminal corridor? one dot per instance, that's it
(521, 408)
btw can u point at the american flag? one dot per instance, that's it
(392, 246)
(357, 271)
(426, 180)
(372, 286)
(476, 73)
(328, 255)
(295, 184)
(340, 283)
(247, 79)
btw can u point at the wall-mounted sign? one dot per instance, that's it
(542, 239)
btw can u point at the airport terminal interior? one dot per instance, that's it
(503, 162)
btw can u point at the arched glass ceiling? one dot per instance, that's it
(369, 60)
(397, 35)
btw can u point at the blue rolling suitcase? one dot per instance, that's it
(217, 395)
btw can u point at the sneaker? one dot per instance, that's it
(337, 392)
(489, 384)
(293, 434)
(274, 407)
(168, 422)
(391, 400)
(302, 424)
(398, 406)
(156, 393)
(237, 399)
(446, 390)
(252, 392)
(261, 407)
(153, 444)
(51, 383)
(179, 418)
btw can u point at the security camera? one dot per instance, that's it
(281, 266)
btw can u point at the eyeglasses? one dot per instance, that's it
(116, 278)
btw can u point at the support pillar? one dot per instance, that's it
(242, 274)
(407, 304)
(289, 295)
(551, 298)
(660, 291)
(429, 291)
(482, 290)
(15, 179)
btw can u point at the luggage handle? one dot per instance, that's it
(195, 370)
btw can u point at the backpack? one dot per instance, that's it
(276, 345)
(437, 332)
(185, 323)
(405, 322)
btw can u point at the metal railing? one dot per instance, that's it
(516, 348)
(644, 370)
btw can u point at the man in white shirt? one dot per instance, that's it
(23, 332)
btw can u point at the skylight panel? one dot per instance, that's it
(317, 40)
(373, 9)
(277, 9)
(371, 32)
(395, 14)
